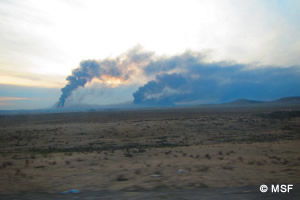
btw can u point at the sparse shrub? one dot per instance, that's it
(259, 163)
(80, 159)
(207, 156)
(18, 172)
(52, 163)
(284, 162)
(157, 172)
(227, 167)
(142, 150)
(251, 162)
(7, 164)
(147, 164)
(121, 178)
(128, 153)
(40, 167)
(26, 163)
(203, 169)
(137, 171)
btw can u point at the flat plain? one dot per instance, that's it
(186, 149)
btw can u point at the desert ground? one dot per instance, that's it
(187, 153)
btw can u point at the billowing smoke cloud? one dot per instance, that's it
(164, 91)
(122, 68)
(186, 78)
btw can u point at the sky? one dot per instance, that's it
(42, 42)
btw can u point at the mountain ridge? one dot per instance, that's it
(283, 100)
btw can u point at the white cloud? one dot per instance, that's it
(52, 37)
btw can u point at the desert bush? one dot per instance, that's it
(203, 168)
(18, 172)
(80, 160)
(7, 164)
(26, 163)
(240, 159)
(52, 163)
(251, 162)
(40, 167)
(121, 178)
(137, 171)
(227, 167)
(207, 156)
(147, 164)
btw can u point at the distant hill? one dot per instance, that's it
(281, 101)
(288, 100)
(245, 102)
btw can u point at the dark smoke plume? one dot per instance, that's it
(90, 69)
(187, 78)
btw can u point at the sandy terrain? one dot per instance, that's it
(134, 151)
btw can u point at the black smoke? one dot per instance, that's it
(165, 90)
(186, 78)
(90, 69)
